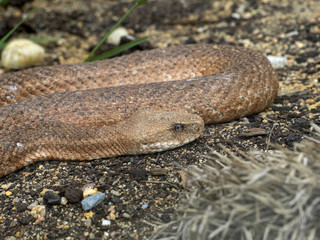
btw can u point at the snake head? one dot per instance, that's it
(158, 130)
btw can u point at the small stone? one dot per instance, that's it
(8, 193)
(10, 238)
(88, 214)
(116, 35)
(278, 62)
(74, 195)
(116, 193)
(25, 220)
(92, 236)
(51, 198)
(32, 205)
(6, 186)
(90, 192)
(22, 53)
(92, 201)
(63, 201)
(38, 211)
(44, 191)
(144, 206)
(21, 207)
(88, 186)
(16, 201)
(310, 101)
(106, 222)
(88, 222)
(112, 212)
(126, 215)
(40, 200)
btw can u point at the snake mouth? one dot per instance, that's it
(163, 146)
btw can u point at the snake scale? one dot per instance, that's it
(139, 103)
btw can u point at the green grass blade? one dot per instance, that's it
(2, 40)
(43, 39)
(118, 50)
(2, 45)
(138, 3)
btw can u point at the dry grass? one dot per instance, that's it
(253, 196)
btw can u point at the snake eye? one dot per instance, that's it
(178, 127)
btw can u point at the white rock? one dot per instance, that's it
(38, 211)
(278, 62)
(32, 205)
(116, 36)
(22, 53)
(105, 222)
(63, 201)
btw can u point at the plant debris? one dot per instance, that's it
(254, 195)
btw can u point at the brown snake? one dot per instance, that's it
(154, 88)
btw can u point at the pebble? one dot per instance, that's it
(25, 220)
(92, 236)
(10, 238)
(116, 193)
(278, 62)
(38, 211)
(106, 222)
(144, 206)
(74, 195)
(6, 186)
(44, 191)
(126, 215)
(21, 207)
(89, 192)
(22, 53)
(8, 193)
(116, 35)
(51, 198)
(88, 186)
(63, 201)
(32, 205)
(40, 200)
(112, 211)
(88, 222)
(92, 201)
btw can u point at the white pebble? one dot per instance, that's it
(278, 62)
(63, 201)
(38, 211)
(144, 206)
(32, 205)
(106, 222)
(116, 36)
(126, 215)
(22, 53)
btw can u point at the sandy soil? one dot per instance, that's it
(143, 191)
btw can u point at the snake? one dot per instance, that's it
(144, 102)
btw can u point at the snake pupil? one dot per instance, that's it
(178, 127)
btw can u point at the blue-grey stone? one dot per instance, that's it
(92, 201)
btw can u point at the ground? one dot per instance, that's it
(278, 28)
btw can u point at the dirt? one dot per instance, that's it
(143, 191)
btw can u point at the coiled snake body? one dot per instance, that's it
(46, 114)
